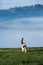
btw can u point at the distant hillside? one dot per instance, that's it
(27, 11)
(32, 7)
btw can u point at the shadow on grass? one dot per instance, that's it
(34, 62)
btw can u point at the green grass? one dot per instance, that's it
(14, 56)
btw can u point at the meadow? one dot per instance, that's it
(14, 56)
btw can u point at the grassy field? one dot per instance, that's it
(14, 56)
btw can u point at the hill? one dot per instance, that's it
(14, 56)
(20, 12)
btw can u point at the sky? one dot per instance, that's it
(5, 4)
(11, 32)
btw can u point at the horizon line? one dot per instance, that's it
(21, 6)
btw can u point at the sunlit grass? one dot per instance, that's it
(14, 56)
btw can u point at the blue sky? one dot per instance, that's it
(5, 4)
(11, 32)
